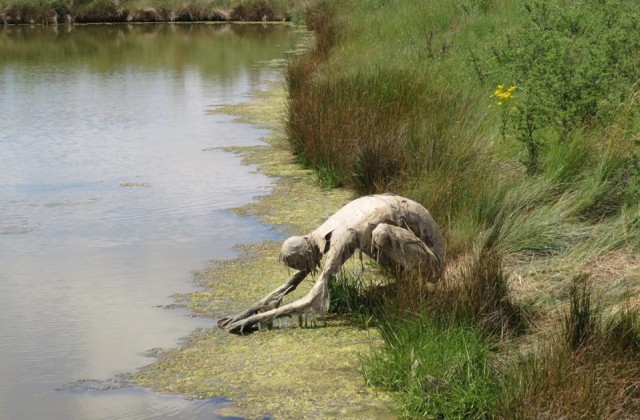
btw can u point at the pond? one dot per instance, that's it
(113, 189)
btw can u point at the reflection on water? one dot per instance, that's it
(111, 192)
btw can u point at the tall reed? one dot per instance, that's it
(591, 369)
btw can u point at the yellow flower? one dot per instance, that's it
(502, 94)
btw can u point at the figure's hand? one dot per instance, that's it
(236, 324)
(242, 326)
(223, 322)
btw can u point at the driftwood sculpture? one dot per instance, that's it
(397, 232)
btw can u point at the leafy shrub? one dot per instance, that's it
(572, 65)
(61, 7)
(253, 11)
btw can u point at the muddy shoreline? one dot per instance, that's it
(288, 372)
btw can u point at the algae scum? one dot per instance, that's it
(288, 372)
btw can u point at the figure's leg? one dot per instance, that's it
(271, 301)
(399, 250)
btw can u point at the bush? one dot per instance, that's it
(568, 66)
(253, 11)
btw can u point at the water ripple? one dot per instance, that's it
(114, 187)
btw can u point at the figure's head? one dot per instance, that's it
(301, 253)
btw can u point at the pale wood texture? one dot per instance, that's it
(397, 232)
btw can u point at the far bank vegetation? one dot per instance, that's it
(90, 11)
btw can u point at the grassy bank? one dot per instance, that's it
(516, 125)
(83, 11)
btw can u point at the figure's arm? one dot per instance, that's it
(342, 246)
(297, 307)
(272, 300)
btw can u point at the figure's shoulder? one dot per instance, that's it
(400, 202)
(381, 197)
(374, 201)
(390, 198)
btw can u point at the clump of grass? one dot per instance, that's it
(435, 372)
(558, 383)
(321, 18)
(439, 339)
(484, 298)
(357, 295)
(590, 370)
(582, 320)
(473, 294)
(622, 331)
(111, 10)
(28, 11)
(253, 11)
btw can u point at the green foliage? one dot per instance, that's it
(391, 101)
(436, 372)
(54, 11)
(61, 7)
(573, 64)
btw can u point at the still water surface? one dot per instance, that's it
(111, 192)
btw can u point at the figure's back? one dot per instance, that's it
(365, 213)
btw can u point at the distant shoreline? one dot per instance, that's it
(23, 12)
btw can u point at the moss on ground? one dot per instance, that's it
(288, 372)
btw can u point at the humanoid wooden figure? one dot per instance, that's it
(397, 232)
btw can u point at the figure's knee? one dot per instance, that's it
(380, 237)
(400, 250)
(381, 243)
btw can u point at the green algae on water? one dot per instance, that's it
(287, 372)
(135, 184)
